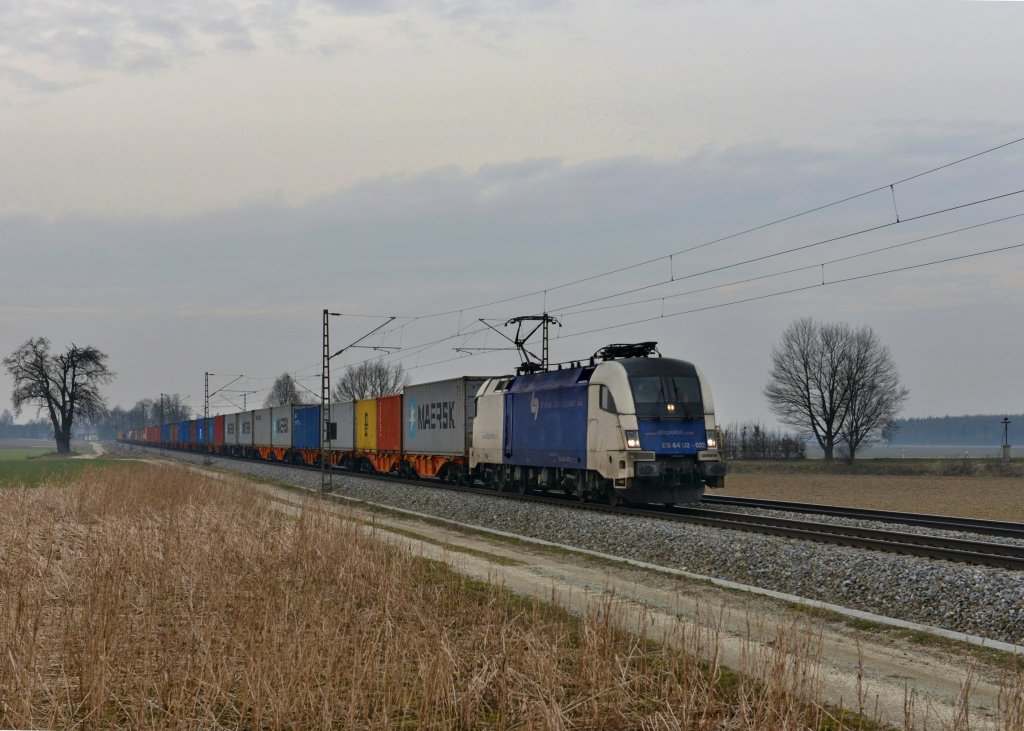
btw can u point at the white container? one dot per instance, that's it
(343, 415)
(231, 429)
(244, 429)
(281, 434)
(262, 427)
(438, 417)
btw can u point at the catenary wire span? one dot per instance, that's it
(737, 234)
(465, 333)
(757, 298)
(419, 348)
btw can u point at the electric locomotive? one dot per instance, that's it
(626, 427)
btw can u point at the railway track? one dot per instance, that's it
(999, 528)
(980, 553)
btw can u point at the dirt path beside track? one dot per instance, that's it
(97, 451)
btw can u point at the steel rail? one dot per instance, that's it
(1005, 529)
(945, 549)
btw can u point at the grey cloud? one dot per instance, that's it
(27, 80)
(137, 37)
(450, 238)
(127, 36)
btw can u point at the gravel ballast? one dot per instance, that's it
(983, 601)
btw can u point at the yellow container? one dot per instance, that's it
(366, 425)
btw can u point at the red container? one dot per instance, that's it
(218, 430)
(389, 424)
(152, 434)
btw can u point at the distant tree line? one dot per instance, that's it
(38, 429)
(145, 412)
(751, 440)
(982, 430)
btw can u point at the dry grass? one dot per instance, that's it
(155, 598)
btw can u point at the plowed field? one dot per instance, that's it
(997, 498)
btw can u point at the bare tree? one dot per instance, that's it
(66, 385)
(283, 392)
(369, 380)
(807, 384)
(834, 383)
(875, 393)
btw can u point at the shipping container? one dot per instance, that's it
(306, 427)
(389, 424)
(200, 431)
(174, 432)
(231, 429)
(343, 415)
(546, 420)
(165, 433)
(218, 431)
(262, 427)
(438, 417)
(184, 432)
(366, 425)
(282, 431)
(244, 427)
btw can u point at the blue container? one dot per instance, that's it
(208, 434)
(165, 433)
(185, 432)
(306, 427)
(201, 431)
(546, 420)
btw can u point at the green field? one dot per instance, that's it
(36, 465)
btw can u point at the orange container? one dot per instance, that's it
(389, 424)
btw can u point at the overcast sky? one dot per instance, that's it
(186, 185)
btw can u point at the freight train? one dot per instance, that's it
(623, 427)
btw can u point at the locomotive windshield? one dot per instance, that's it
(667, 395)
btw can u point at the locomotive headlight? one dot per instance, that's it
(632, 439)
(712, 442)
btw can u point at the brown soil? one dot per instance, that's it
(999, 498)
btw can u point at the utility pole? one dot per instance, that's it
(327, 433)
(1006, 438)
(206, 398)
(326, 437)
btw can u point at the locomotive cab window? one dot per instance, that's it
(667, 395)
(606, 400)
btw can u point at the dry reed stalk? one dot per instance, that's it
(156, 598)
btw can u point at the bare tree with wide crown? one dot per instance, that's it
(66, 385)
